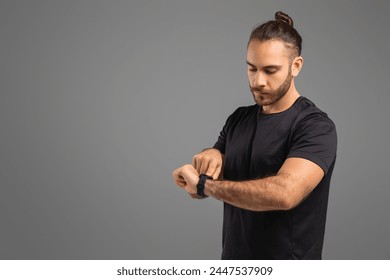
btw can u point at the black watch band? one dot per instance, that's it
(200, 185)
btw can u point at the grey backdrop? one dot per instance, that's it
(101, 100)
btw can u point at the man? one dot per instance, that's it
(276, 157)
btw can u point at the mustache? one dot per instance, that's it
(259, 90)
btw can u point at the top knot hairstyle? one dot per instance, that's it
(281, 28)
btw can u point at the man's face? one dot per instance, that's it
(269, 71)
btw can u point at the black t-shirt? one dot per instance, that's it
(256, 145)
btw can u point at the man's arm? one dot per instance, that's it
(294, 181)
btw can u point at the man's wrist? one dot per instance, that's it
(208, 187)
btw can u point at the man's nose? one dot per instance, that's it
(259, 79)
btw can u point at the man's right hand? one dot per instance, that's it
(209, 162)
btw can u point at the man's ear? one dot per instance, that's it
(296, 65)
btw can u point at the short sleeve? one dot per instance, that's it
(314, 138)
(221, 142)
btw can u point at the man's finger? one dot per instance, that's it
(201, 165)
(204, 167)
(216, 172)
(181, 184)
(212, 168)
(195, 163)
(194, 195)
(179, 180)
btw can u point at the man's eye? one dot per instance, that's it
(252, 69)
(269, 72)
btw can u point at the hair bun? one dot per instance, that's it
(280, 16)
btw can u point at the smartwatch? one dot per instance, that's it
(200, 185)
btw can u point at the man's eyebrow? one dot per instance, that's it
(247, 62)
(276, 66)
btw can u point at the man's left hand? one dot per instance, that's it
(187, 178)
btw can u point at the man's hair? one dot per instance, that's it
(279, 29)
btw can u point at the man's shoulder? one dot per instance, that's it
(311, 119)
(241, 114)
(244, 110)
(305, 105)
(306, 109)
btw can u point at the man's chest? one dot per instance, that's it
(257, 147)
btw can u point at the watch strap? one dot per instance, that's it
(201, 183)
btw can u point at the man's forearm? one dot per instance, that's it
(266, 194)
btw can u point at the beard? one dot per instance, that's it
(268, 97)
